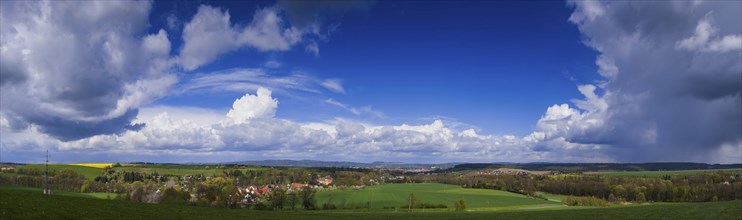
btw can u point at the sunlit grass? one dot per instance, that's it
(395, 196)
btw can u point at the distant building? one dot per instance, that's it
(325, 181)
(298, 185)
(251, 194)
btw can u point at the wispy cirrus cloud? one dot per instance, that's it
(244, 79)
(356, 111)
(335, 85)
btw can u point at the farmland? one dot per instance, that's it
(396, 195)
(24, 204)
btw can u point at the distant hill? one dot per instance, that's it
(586, 167)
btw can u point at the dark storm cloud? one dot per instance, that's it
(673, 79)
(67, 130)
(78, 69)
(10, 73)
(715, 85)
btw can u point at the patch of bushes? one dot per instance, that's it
(584, 201)
(425, 206)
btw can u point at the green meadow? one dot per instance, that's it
(391, 196)
(60, 193)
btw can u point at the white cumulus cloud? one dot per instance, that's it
(261, 105)
(251, 128)
(211, 33)
(705, 39)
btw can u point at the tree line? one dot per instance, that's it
(701, 187)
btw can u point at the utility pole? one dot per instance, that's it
(47, 189)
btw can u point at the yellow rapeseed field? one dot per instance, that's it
(96, 165)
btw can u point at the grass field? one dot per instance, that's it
(28, 204)
(660, 173)
(88, 172)
(553, 197)
(395, 195)
(60, 193)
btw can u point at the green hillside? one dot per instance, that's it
(395, 195)
(96, 195)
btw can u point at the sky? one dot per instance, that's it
(364, 81)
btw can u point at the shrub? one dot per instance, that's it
(174, 196)
(460, 205)
(422, 206)
(584, 201)
(714, 199)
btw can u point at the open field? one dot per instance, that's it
(395, 195)
(553, 197)
(88, 172)
(25, 204)
(660, 173)
(60, 193)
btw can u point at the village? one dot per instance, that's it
(252, 195)
(235, 186)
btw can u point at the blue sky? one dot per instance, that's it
(417, 61)
(410, 81)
